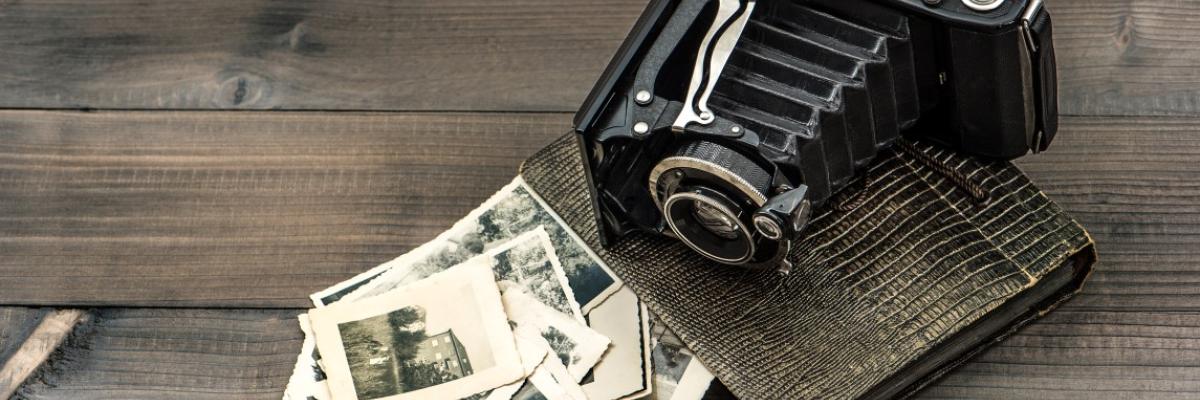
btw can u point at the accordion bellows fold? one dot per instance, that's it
(883, 298)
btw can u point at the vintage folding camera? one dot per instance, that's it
(723, 123)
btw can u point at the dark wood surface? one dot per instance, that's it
(246, 209)
(528, 55)
(1117, 57)
(177, 354)
(254, 209)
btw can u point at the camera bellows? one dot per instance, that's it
(823, 84)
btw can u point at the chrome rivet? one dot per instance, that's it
(643, 97)
(736, 129)
(641, 128)
(707, 116)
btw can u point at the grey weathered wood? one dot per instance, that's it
(377, 54)
(235, 209)
(1116, 57)
(1073, 354)
(1128, 57)
(178, 354)
(1069, 354)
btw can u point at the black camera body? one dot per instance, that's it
(723, 123)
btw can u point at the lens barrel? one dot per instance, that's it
(708, 194)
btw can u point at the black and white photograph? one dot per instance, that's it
(669, 363)
(624, 373)
(308, 378)
(530, 262)
(550, 380)
(576, 345)
(445, 336)
(678, 374)
(527, 260)
(511, 212)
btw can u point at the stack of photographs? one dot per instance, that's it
(507, 304)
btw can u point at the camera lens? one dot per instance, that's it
(708, 223)
(707, 193)
(715, 221)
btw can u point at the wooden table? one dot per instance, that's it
(176, 177)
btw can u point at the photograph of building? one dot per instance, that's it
(445, 353)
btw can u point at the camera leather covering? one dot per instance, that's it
(882, 299)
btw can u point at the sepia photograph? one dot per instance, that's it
(308, 378)
(624, 373)
(531, 262)
(576, 345)
(527, 261)
(445, 336)
(678, 374)
(669, 364)
(511, 212)
(550, 381)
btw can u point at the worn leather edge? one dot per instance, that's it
(1083, 261)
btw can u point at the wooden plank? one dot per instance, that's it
(36, 348)
(1127, 57)
(1100, 355)
(178, 354)
(1132, 334)
(1116, 57)
(530, 55)
(1069, 354)
(227, 209)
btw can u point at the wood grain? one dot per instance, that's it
(1127, 57)
(235, 209)
(1073, 354)
(1130, 334)
(178, 354)
(527, 55)
(1116, 57)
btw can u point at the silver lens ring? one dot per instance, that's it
(689, 240)
(983, 5)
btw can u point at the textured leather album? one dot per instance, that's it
(883, 298)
